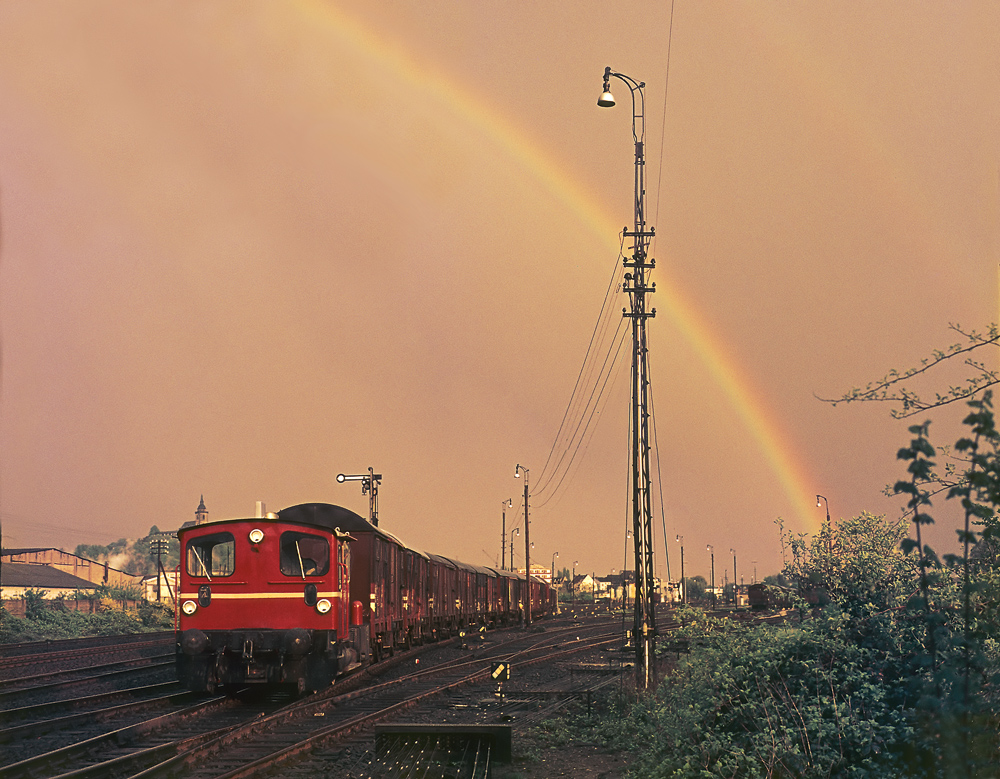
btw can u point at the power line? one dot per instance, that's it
(599, 328)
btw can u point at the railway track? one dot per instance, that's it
(34, 657)
(307, 734)
(157, 731)
(164, 733)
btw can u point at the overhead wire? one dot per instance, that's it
(583, 441)
(656, 216)
(600, 328)
(582, 404)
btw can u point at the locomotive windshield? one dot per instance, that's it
(304, 555)
(211, 556)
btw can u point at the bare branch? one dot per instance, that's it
(892, 388)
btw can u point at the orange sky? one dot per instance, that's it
(246, 247)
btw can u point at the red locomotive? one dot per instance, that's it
(306, 595)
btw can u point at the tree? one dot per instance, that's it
(957, 596)
(695, 587)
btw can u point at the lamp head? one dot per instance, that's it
(606, 100)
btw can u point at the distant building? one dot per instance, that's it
(583, 583)
(18, 578)
(539, 572)
(88, 570)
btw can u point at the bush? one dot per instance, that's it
(880, 682)
(764, 701)
(42, 623)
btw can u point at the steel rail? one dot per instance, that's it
(39, 765)
(55, 723)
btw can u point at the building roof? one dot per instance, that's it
(42, 577)
(5, 551)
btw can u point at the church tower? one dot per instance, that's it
(201, 513)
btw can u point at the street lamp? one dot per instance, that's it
(711, 549)
(515, 532)
(572, 583)
(829, 530)
(503, 534)
(736, 582)
(684, 589)
(644, 615)
(552, 575)
(527, 547)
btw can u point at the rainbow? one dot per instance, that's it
(392, 60)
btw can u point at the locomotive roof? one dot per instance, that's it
(327, 515)
(337, 517)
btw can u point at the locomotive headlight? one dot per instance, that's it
(189, 607)
(256, 535)
(323, 606)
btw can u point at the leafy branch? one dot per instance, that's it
(894, 386)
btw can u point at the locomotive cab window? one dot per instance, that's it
(304, 555)
(211, 556)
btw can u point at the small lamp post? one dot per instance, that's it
(527, 546)
(684, 590)
(711, 549)
(829, 529)
(736, 583)
(552, 577)
(503, 535)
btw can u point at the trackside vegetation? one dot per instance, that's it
(889, 665)
(50, 619)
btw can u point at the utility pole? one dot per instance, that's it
(158, 544)
(684, 592)
(527, 548)
(644, 615)
(736, 583)
(503, 537)
(711, 549)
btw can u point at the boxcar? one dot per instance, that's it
(386, 578)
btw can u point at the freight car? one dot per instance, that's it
(314, 591)
(768, 597)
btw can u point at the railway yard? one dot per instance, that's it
(113, 708)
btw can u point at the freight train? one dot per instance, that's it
(305, 595)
